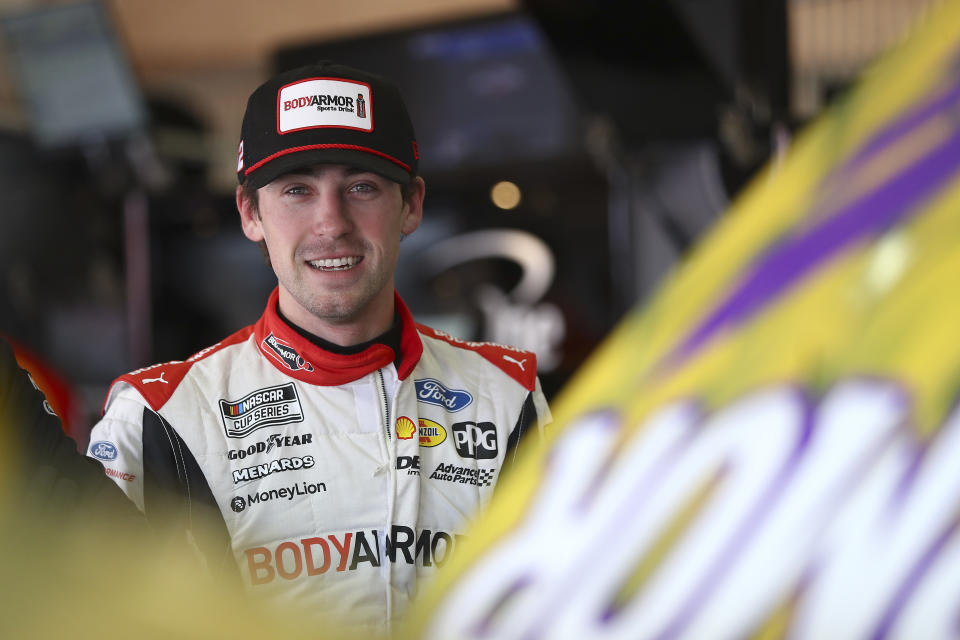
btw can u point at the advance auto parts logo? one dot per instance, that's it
(262, 408)
(463, 475)
(239, 503)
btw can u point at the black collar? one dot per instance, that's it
(390, 338)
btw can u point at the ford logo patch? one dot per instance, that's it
(433, 392)
(103, 450)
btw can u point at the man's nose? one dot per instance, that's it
(331, 217)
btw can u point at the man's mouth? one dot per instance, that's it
(335, 264)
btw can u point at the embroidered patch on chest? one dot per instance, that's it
(261, 408)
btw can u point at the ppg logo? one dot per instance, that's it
(475, 439)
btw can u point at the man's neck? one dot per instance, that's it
(391, 337)
(377, 318)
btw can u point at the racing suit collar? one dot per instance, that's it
(299, 358)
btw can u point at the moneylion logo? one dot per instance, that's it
(239, 503)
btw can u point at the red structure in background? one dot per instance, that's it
(62, 398)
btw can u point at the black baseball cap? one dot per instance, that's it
(326, 113)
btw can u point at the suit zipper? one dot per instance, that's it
(386, 405)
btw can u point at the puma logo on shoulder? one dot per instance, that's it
(160, 379)
(519, 363)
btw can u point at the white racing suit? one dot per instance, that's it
(338, 482)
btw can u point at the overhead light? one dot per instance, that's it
(505, 195)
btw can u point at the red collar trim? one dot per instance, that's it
(297, 357)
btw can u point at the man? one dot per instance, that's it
(334, 451)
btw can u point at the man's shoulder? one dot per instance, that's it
(518, 364)
(157, 383)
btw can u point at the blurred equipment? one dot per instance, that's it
(82, 98)
(769, 448)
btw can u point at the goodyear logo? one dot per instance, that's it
(262, 408)
(431, 433)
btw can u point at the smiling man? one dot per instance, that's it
(334, 452)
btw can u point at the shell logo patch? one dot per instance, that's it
(431, 433)
(405, 428)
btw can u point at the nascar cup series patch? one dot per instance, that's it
(324, 102)
(769, 449)
(266, 407)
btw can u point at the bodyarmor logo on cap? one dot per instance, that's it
(324, 102)
(284, 354)
(261, 408)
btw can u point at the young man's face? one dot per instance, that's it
(333, 234)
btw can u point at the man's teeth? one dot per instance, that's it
(335, 263)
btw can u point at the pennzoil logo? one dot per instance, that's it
(284, 354)
(431, 433)
(261, 408)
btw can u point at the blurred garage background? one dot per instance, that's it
(573, 151)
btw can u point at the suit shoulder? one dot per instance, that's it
(157, 382)
(518, 364)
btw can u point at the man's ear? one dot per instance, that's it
(413, 209)
(249, 217)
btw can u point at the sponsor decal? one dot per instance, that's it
(476, 440)
(119, 475)
(519, 363)
(410, 463)
(266, 446)
(324, 102)
(159, 378)
(280, 465)
(239, 503)
(283, 353)
(103, 450)
(350, 551)
(361, 106)
(463, 475)
(240, 157)
(431, 433)
(435, 392)
(262, 408)
(405, 428)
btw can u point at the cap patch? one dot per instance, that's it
(324, 102)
